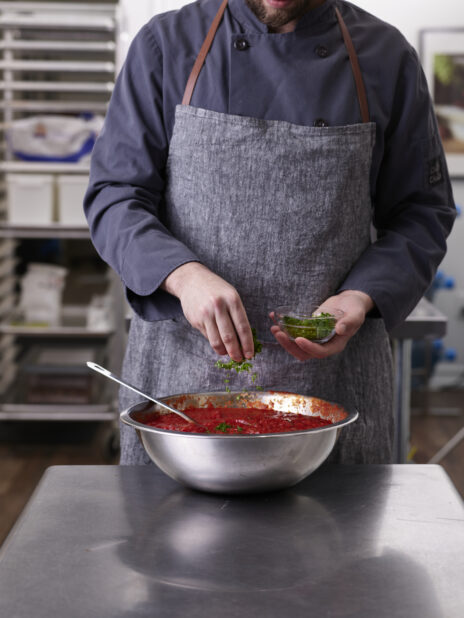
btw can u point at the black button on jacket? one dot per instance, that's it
(322, 51)
(241, 44)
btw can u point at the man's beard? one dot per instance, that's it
(275, 18)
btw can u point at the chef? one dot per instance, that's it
(259, 153)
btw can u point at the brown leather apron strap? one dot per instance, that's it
(192, 80)
(361, 90)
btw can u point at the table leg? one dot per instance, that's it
(402, 349)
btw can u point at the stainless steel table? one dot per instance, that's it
(425, 321)
(349, 541)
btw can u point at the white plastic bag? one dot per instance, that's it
(100, 315)
(41, 294)
(65, 139)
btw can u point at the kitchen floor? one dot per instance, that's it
(27, 449)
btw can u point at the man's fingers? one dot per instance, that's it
(242, 328)
(302, 349)
(227, 332)
(322, 350)
(214, 338)
(288, 345)
(348, 325)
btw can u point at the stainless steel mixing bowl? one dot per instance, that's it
(239, 463)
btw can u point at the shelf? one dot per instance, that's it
(16, 6)
(7, 248)
(7, 266)
(44, 168)
(45, 86)
(104, 407)
(7, 285)
(6, 306)
(54, 331)
(11, 411)
(7, 377)
(56, 22)
(24, 412)
(73, 324)
(87, 66)
(54, 106)
(55, 58)
(59, 46)
(7, 358)
(54, 230)
(6, 342)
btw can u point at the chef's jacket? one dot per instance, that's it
(303, 77)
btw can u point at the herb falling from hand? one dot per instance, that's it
(243, 365)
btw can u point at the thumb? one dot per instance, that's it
(347, 326)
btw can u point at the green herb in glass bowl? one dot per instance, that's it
(317, 327)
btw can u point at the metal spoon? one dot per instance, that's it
(112, 376)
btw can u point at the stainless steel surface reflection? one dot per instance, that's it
(236, 545)
(118, 541)
(236, 463)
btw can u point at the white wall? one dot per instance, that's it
(410, 16)
(133, 14)
(407, 15)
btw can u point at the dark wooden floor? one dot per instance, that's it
(27, 449)
(436, 418)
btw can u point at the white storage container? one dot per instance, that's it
(71, 191)
(30, 199)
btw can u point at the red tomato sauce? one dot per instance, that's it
(236, 421)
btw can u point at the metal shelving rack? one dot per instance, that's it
(55, 58)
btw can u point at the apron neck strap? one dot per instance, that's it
(358, 78)
(199, 62)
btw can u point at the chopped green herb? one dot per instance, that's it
(315, 328)
(224, 427)
(238, 366)
(241, 366)
(244, 365)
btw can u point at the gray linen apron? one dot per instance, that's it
(282, 212)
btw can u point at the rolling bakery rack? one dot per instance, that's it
(56, 58)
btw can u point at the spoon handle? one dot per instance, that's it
(112, 376)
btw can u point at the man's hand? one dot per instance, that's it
(354, 304)
(214, 307)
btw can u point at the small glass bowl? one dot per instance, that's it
(307, 324)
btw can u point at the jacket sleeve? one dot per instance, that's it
(413, 203)
(123, 203)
